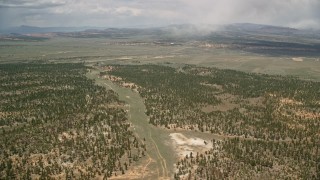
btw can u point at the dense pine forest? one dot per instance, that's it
(55, 123)
(270, 124)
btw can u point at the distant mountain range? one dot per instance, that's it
(235, 33)
(174, 31)
(258, 27)
(233, 27)
(257, 38)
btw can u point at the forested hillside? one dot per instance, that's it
(55, 123)
(270, 124)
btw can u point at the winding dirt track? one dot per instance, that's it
(163, 161)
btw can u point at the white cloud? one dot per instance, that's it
(123, 10)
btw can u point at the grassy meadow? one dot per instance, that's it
(133, 50)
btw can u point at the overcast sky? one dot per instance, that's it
(135, 13)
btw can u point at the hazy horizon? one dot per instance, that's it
(138, 13)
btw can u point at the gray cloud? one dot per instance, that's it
(115, 13)
(30, 4)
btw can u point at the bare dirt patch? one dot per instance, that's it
(141, 171)
(290, 101)
(297, 59)
(184, 145)
(306, 114)
(215, 86)
(162, 57)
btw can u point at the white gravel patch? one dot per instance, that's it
(184, 146)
